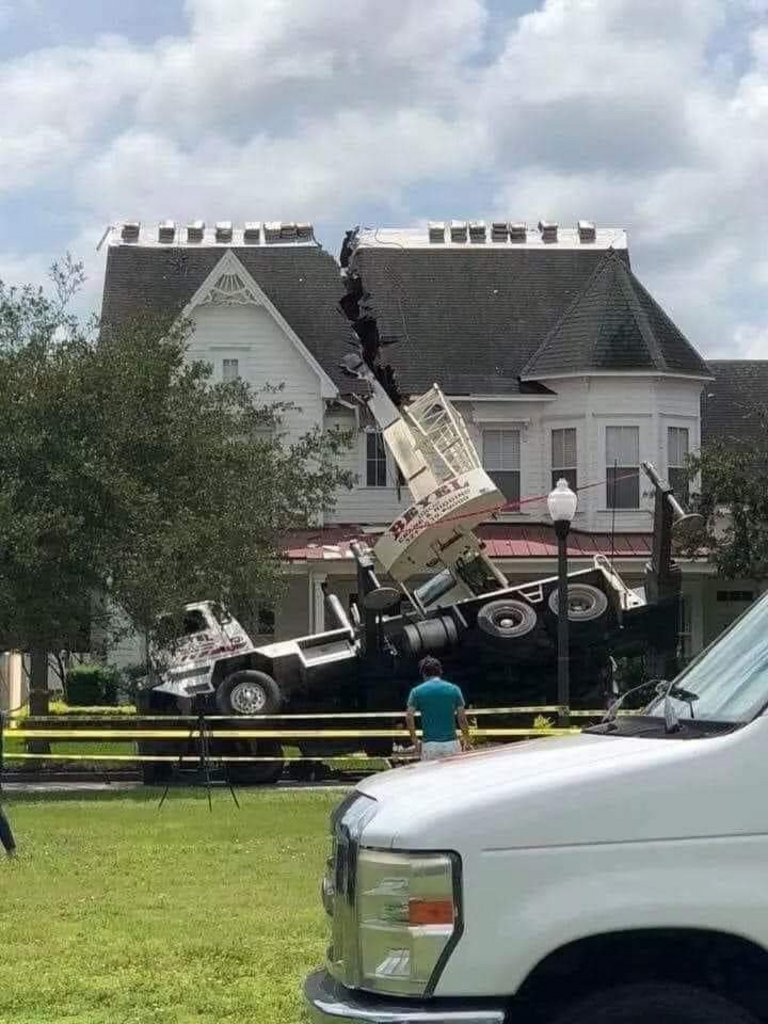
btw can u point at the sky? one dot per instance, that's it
(651, 115)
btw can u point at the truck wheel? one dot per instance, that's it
(654, 1003)
(585, 603)
(248, 693)
(507, 620)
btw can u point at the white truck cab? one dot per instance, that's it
(620, 875)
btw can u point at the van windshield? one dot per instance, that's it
(727, 682)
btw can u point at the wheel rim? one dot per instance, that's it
(508, 620)
(248, 698)
(585, 603)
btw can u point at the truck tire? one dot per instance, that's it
(586, 604)
(248, 692)
(507, 619)
(654, 1003)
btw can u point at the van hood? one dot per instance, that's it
(550, 791)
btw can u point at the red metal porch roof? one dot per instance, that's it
(503, 540)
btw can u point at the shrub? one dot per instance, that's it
(58, 707)
(92, 685)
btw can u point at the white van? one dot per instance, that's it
(619, 876)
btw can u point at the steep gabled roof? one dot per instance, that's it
(732, 403)
(614, 325)
(300, 280)
(469, 317)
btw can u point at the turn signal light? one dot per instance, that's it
(421, 912)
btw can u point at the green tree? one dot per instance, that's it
(128, 478)
(734, 476)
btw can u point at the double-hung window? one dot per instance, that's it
(230, 370)
(677, 461)
(375, 460)
(564, 456)
(501, 457)
(622, 470)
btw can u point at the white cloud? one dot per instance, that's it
(266, 63)
(612, 112)
(54, 102)
(750, 341)
(331, 168)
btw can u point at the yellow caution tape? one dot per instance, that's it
(191, 719)
(212, 761)
(253, 734)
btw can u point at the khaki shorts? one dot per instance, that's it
(434, 751)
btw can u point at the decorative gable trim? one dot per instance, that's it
(230, 284)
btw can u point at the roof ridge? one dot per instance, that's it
(626, 283)
(610, 255)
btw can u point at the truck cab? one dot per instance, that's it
(618, 875)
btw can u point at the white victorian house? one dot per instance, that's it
(558, 358)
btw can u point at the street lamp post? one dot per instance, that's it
(562, 504)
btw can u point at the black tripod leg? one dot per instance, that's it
(179, 764)
(204, 757)
(165, 794)
(229, 785)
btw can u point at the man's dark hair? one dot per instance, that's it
(429, 667)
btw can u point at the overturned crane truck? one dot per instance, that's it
(427, 587)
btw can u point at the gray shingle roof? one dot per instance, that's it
(468, 318)
(614, 324)
(731, 404)
(301, 280)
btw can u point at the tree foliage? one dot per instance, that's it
(734, 476)
(128, 477)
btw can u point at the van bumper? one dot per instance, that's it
(328, 1002)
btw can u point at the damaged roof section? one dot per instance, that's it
(464, 306)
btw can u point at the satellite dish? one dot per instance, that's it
(687, 528)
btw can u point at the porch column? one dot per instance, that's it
(316, 601)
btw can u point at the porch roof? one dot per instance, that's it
(503, 540)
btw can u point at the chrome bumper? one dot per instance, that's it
(328, 1002)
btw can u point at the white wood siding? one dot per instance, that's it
(589, 405)
(363, 504)
(265, 355)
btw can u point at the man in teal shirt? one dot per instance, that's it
(440, 704)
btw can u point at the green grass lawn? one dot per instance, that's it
(117, 912)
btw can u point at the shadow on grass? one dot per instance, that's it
(152, 794)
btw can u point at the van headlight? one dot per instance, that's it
(409, 919)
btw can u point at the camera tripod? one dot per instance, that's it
(203, 730)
